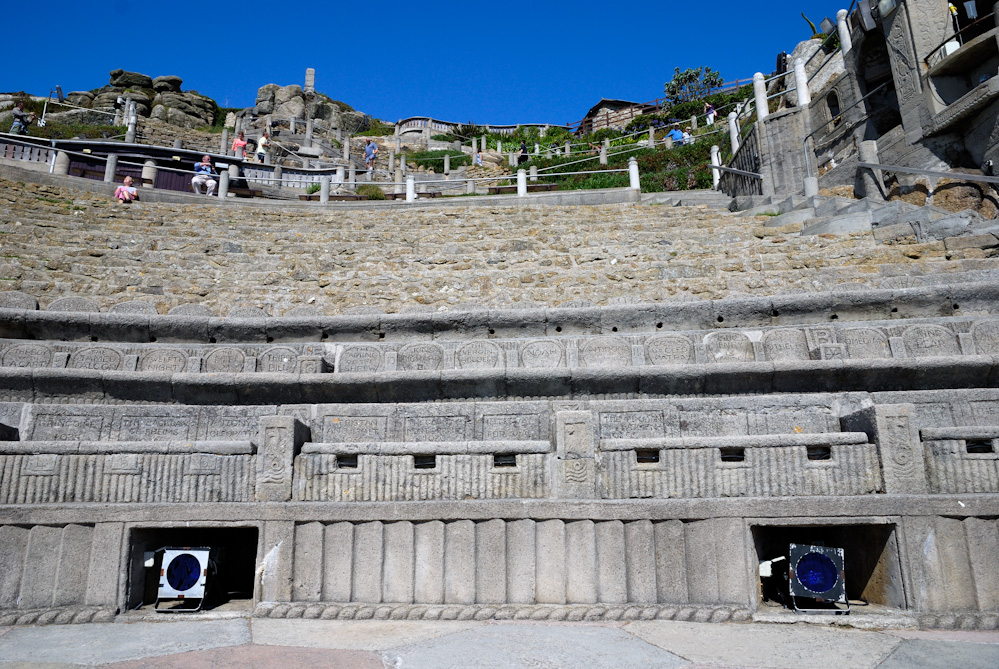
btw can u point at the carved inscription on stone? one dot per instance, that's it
(204, 464)
(728, 347)
(713, 423)
(73, 304)
(56, 427)
(631, 425)
(228, 424)
(865, 343)
(132, 307)
(437, 428)
(99, 358)
(125, 463)
(785, 345)
(985, 412)
(923, 341)
(274, 458)
(27, 355)
(986, 334)
(155, 428)
(166, 360)
(225, 361)
(278, 360)
(542, 354)
(421, 357)
(511, 427)
(609, 352)
(480, 355)
(360, 359)
(346, 429)
(42, 464)
(669, 350)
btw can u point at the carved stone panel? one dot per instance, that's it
(575, 466)
(27, 355)
(278, 360)
(225, 361)
(347, 429)
(99, 358)
(786, 344)
(480, 355)
(862, 343)
(894, 431)
(57, 425)
(986, 334)
(542, 354)
(511, 427)
(130, 425)
(605, 352)
(728, 347)
(133, 307)
(14, 299)
(275, 454)
(923, 341)
(73, 304)
(631, 425)
(437, 428)
(421, 357)
(669, 350)
(360, 359)
(168, 360)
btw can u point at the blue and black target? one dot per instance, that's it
(183, 572)
(817, 572)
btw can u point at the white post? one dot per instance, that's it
(499, 145)
(537, 149)
(397, 186)
(521, 183)
(149, 171)
(346, 147)
(635, 182)
(133, 119)
(567, 149)
(470, 187)
(843, 25)
(603, 154)
(801, 83)
(512, 159)
(733, 131)
(223, 185)
(410, 189)
(324, 189)
(339, 174)
(534, 172)
(652, 137)
(225, 147)
(715, 162)
(110, 167)
(447, 163)
(760, 92)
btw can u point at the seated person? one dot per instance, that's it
(126, 193)
(203, 173)
(676, 135)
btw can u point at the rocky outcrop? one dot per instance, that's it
(285, 102)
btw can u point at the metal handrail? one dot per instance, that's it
(930, 173)
(951, 37)
(811, 135)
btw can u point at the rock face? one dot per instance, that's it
(829, 72)
(291, 102)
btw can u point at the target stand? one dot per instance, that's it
(184, 577)
(816, 575)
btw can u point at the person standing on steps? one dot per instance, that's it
(370, 151)
(262, 147)
(523, 153)
(203, 173)
(709, 113)
(239, 146)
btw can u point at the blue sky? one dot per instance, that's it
(505, 62)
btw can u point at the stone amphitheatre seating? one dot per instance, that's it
(599, 413)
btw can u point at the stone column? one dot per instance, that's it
(398, 145)
(760, 92)
(652, 137)
(402, 163)
(603, 154)
(733, 131)
(693, 122)
(397, 187)
(512, 159)
(223, 185)
(410, 189)
(310, 80)
(306, 163)
(133, 120)
(149, 171)
(801, 83)
(345, 146)
(339, 174)
(277, 440)
(568, 149)
(470, 187)
(521, 183)
(178, 144)
(308, 132)
(633, 179)
(447, 163)
(534, 172)
(499, 145)
(277, 175)
(391, 164)
(537, 149)
(351, 175)
(575, 467)
(291, 126)
(110, 167)
(268, 158)
(843, 25)
(324, 189)
(715, 162)
(224, 147)
(891, 427)
(61, 165)
(668, 142)
(868, 182)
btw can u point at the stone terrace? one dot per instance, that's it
(56, 242)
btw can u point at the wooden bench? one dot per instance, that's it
(531, 188)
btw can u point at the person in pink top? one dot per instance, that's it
(126, 192)
(239, 146)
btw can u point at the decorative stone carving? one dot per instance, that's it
(99, 358)
(787, 344)
(360, 359)
(421, 356)
(168, 360)
(225, 361)
(986, 335)
(575, 466)
(543, 354)
(923, 341)
(347, 429)
(728, 347)
(864, 343)
(480, 355)
(669, 350)
(275, 454)
(278, 360)
(605, 352)
(27, 355)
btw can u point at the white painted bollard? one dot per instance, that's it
(447, 163)
(410, 189)
(760, 93)
(843, 25)
(397, 186)
(324, 189)
(521, 183)
(733, 131)
(110, 167)
(801, 83)
(339, 174)
(652, 137)
(223, 185)
(61, 165)
(603, 154)
(715, 162)
(635, 182)
(224, 147)
(534, 172)
(568, 149)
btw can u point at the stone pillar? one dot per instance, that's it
(391, 165)
(633, 179)
(224, 147)
(760, 93)
(843, 25)
(268, 158)
(521, 183)
(339, 174)
(715, 162)
(277, 439)
(892, 428)
(61, 165)
(568, 149)
(499, 145)
(395, 132)
(447, 163)
(534, 172)
(693, 122)
(310, 80)
(178, 144)
(351, 175)
(410, 189)
(733, 131)
(537, 149)
(512, 159)
(291, 126)
(801, 83)
(868, 182)
(324, 189)
(475, 141)
(575, 466)
(402, 163)
(470, 187)
(397, 187)
(398, 145)
(652, 137)
(278, 174)
(306, 163)
(110, 167)
(308, 132)
(223, 185)
(149, 171)
(668, 142)
(133, 120)
(345, 146)
(603, 154)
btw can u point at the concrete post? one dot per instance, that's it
(447, 163)
(668, 142)
(306, 163)
(868, 182)
(233, 171)
(475, 143)
(291, 126)
(760, 93)
(397, 188)
(346, 147)
(398, 144)
(339, 174)
(61, 165)
(149, 171)
(470, 187)
(521, 183)
(223, 185)
(402, 163)
(391, 165)
(693, 122)
(308, 132)
(811, 186)
(548, 154)
(395, 133)
(568, 149)
(133, 119)
(733, 131)
(278, 173)
(512, 159)
(224, 146)
(801, 83)
(178, 144)
(324, 189)
(410, 189)
(634, 181)
(499, 145)
(652, 137)
(267, 158)
(534, 172)
(843, 25)
(603, 154)
(310, 80)
(110, 167)
(351, 175)
(715, 162)
(537, 149)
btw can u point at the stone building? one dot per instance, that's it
(613, 114)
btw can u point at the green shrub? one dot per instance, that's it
(372, 191)
(379, 129)
(313, 188)
(434, 160)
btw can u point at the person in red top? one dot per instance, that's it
(239, 146)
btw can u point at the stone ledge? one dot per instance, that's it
(63, 615)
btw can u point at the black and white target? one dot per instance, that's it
(184, 573)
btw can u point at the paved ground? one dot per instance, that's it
(320, 644)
